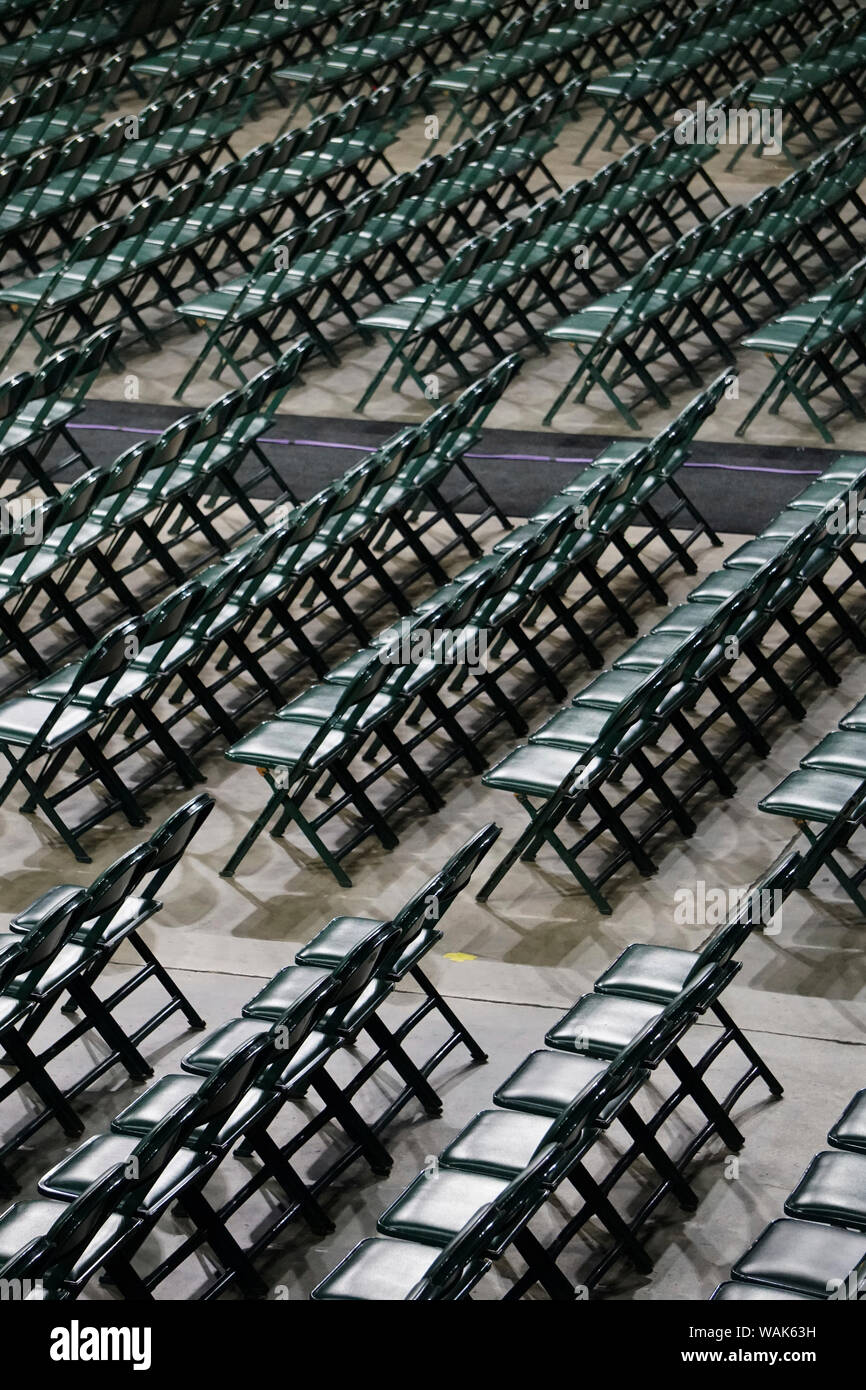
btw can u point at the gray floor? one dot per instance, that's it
(511, 965)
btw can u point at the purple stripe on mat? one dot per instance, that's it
(504, 458)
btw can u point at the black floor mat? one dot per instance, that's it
(738, 487)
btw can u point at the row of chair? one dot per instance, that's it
(36, 408)
(313, 560)
(701, 56)
(384, 43)
(51, 961)
(815, 349)
(69, 565)
(556, 1113)
(444, 671)
(227, 32)
(69, 30)
(48, 198)
(606, 764)
(57, 107)
(401, 228)
(818, 1249)
(147, 256)
(826, 799)
(519, 275)
(819, 93)
(718, 281)
(538, 50)
(170, 1144)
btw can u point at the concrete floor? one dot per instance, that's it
(513, 964)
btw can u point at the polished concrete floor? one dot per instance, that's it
(511, 965)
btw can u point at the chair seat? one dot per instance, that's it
(43, 906)
(547, 1082)
(722, 584)
(649, 653)
(849, 1131)
(286, 988)
(731, 1292)
(849, 468)
(582, 726)
(839, 752)
(154, 1103)
(811, 794)
(833, 1189)
(802, 1257)
(43, 981)
(611, 689)
(25, 1222)
(433, 1210)
(219, 1044)
(139, 1118)
(55, 686)
(855, 718)
(331, 945)
(754, 555)
(655, 973)
(129, 915)
(73, 1175)
(378, 1269)
(788, 523)
(320, 702)
(282, 742)
(497, 1142)
(22, 719)
(535, 769)
(818, 494)
(602, 1025)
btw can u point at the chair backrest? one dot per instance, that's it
(20, 968)
(431, 901)
(116, 883)
(356, 969)
(222, 1090)
(13, 394)
(524, 1195)
(51, 378)
(106, 658)
(53, 1256)
(93, 351)
(124, 473)
(460, 1264)
(81, 497)
(306, 519)
(763, 899)
(175, 439)
(162, 624)
(270, 385)
(170, 840)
